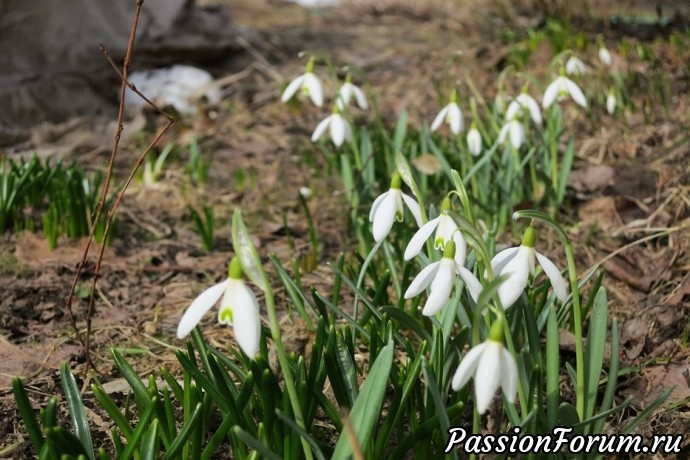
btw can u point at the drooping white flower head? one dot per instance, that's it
(605, 56)
(308, 84)
(524, 103)
(346, 92)
(441, 277)
(611, 102)
(446, 231)
(575, 66)
(474, 141)
(492, 366)
(515, 131)
(388, 207)
(560, 88)
(338, 126)
(238, 308)
(450, 114)
(519, 264)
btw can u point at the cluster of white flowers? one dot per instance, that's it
(336, 124)
(489, 362)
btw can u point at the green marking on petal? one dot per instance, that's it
(439, 243)
(225, 315)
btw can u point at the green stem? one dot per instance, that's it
(577, 320)
(284, 363)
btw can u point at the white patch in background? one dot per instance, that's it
(179, 86)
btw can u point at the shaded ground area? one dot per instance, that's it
(629, 209)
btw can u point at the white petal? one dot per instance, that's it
(554, 275)
(385, 216)
(502, 258)
(313, 85)
(517, 134)
(441, 287)
(445, 230)
(487, 377)
(417, 242)
(467, 367)
(518, 275)
(202, 304)
(292, 88)
(348, 130)
(247, 327)
(513, 109)
(344, 95)
(439, 118)
(460, 248)
(576, 93)
(474, 142)
(455, 118)
(413, 206)
(604, 56)
(610, 104)
(422, 280)
(575, 66)
(551, 93)
(509, 375)
(528, 101)
(376, 204)
(337, 129)
(360, 98)
(321, 128)
(473, 285)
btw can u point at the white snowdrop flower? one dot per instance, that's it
(440, 277)
(446, 231)
(492, 366)
(515, 131)
(347, 91)
(305, 192)
(560, 88)
(575, 66)
(611, 102)
(474, 141)
(338, 126)
(388, 207)
(450, 114)
(308, 84)
(238, 308)
(519, 264)
(524, 102)
(605, 56)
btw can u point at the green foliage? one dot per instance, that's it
(62, 198)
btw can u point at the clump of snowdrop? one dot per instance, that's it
(575, 66)
(308, 84)
(446, 232)
(440, 277)
(519, 264)
(338, 127)
(561, 88)
(474, 141)
(450, 114)
(238, 308)
(346, 93)
(492, 366)
(388, 207)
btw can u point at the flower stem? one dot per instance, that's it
(284, 363)
(577, 323)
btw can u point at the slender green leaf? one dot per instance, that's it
(76, 409)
